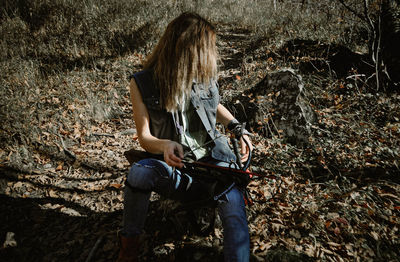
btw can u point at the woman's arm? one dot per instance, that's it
(224, 117)
(173, 152)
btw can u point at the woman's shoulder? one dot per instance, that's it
(144, 81)
(143, 78)
(141, 74)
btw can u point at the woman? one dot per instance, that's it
(175, 107)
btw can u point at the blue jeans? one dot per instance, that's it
(151, 175)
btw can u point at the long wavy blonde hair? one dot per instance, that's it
(186, 52)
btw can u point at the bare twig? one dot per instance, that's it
(378, 50)
(367, 17)
(67, 152)
(98, 134)
(94, 249)
(352, 10)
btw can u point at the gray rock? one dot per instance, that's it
(277, 106)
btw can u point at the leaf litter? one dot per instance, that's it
(337, 200)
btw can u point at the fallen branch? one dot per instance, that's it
(66, 151)
(98, 134)
(94, 249)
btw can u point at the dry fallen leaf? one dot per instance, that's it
(117, 186)
(10, 240)
(337, 231)
(59, 167)
(328, 224)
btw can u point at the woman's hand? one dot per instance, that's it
(173, 154)
(244, 149)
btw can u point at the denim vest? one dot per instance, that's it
(162, 123)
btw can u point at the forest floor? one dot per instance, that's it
(337, 199)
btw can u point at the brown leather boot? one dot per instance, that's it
(129, 248)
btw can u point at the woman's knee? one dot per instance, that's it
(233, 207)
(142, 175)
(146, 172)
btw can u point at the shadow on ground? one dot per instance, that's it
(49, 235)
